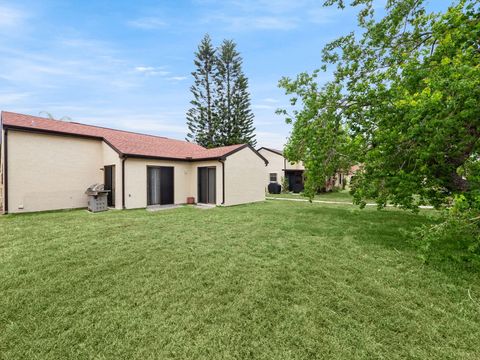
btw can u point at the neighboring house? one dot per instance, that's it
(48, 164)
(279, 167)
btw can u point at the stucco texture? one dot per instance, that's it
(48, 172)
(244, 178)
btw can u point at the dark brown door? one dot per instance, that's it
(109, 184)
(166, 185)
(295, 181)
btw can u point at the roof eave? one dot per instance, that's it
(271, 150)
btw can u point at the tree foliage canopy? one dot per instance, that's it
(404, 102)
(233, 101)
(220, 114)
(201, 119)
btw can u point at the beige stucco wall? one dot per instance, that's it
(185, 180)
(218, 179)
(2, 175)
(276, 164)
(244, 178)
(47, 172)
(136, 181)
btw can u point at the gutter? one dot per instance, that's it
(124, 158)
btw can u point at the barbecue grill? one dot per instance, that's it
(97, 198)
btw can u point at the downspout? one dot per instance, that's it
(222, 161)
(5, 171)
(123, 181)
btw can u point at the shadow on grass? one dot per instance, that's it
(393, 229)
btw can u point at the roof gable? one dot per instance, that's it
(275, 151)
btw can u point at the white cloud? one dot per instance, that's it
(269, 6)
(12, 98)
(66, 64)
(271, 139)
(144, 68)
(178, 78)
(152, 70)
(265, 123)
(154, 122)
(324, 15)
(148, 23)
(270, 100)
(151, 125)
(149, 120)
(267, 23)
(247, 15)
(263, 107)
(11, 17)
(248, 23)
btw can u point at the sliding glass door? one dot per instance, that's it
(207, 185)
(160, 189)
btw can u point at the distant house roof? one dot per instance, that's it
(276, 151)
(123, 142)
(354, 169)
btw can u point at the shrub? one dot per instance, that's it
(284, 183)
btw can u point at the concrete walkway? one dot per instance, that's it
(162, 207)
(335, 202)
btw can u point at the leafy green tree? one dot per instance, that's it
(202, 121)
(233, 98)
(404, 102)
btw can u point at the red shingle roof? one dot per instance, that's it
(124, 142)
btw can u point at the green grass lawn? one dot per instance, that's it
(274, 280)
(342, 196)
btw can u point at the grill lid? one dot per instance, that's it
(96, 189)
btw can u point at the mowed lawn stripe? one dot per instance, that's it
(274, 280)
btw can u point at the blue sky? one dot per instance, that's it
(127, 64)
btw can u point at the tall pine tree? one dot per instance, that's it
(220, 113)
(201, 117)
(233, 99)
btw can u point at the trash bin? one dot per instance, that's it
(274, 188)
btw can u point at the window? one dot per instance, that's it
(273, 177)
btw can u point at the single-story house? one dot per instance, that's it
(48, 164)
(279, 167)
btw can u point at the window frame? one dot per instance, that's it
(270, 177)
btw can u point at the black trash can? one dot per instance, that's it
(274, 188)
